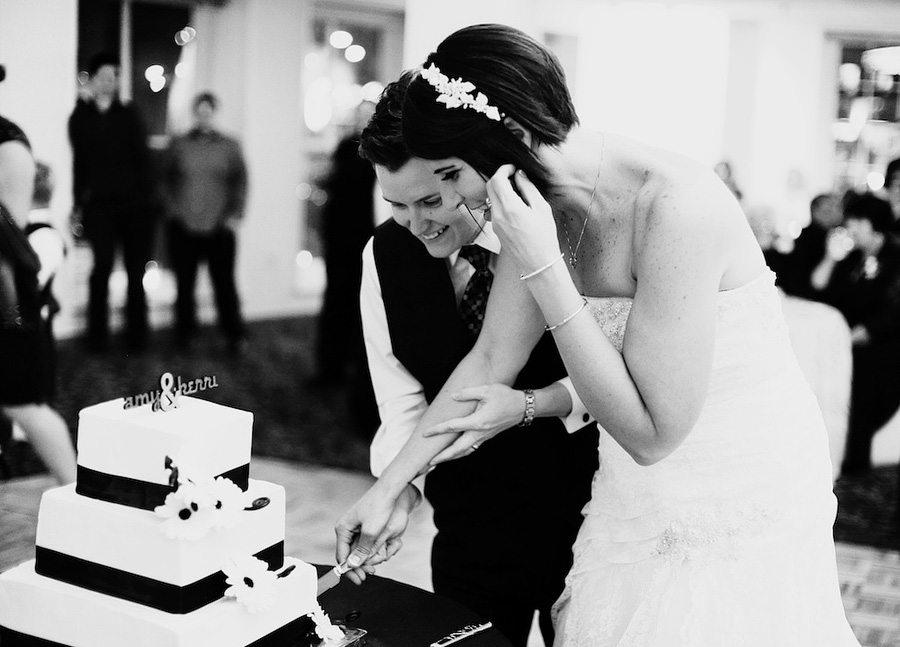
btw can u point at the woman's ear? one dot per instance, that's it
(518, 130)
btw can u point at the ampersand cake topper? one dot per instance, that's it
(171, 389)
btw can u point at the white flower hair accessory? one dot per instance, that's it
(458, 93)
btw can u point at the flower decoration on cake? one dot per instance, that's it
(458, 93)
(189, 512)
(198, 504)
(251, 583)
(324, 629)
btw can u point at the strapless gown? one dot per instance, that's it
(727, 542)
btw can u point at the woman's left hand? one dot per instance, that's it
(522, 219)
(498, 407)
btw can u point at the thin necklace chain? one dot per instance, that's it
(573, 253)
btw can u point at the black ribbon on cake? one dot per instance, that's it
(299, 632)
(139, 494)
(139, 588)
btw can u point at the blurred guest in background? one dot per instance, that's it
(204, 188)
(892, 188)
(796, 267)
(864, 284)
(112, 190)
(348, 220)
(26, 370)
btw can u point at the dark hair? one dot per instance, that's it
(101, 59)
(43, 184)
(819, 200)
(866, 206)
(518, 75)
(381, 141)
(892, 173)
(207, 97)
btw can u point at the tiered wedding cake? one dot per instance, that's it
(164, 541)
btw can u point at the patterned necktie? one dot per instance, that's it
(477, 289)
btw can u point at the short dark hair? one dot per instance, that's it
(381, 142)
(207, 97)
(518, 75)
(892, 173)
(867, 206)
(102, 59)
(43, 184)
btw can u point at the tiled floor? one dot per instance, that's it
(316, 497)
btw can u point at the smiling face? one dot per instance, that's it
(426, 197)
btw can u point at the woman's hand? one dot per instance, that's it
(522, 219)
(498, 407)
(369, 532)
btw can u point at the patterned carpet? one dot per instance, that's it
(868, 509)
(298, 421)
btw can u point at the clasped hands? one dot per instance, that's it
(369, 533)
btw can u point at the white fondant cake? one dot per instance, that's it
(130, 539)
(133, 442)
(152, 546)
(67, 615)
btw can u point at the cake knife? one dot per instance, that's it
(331, 578)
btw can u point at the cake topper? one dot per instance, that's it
(166, 397)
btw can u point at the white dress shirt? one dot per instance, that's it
(399, 395)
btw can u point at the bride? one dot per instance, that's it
(710, 522)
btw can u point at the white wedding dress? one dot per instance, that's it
(727, 542)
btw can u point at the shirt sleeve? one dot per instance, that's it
(579, 416)
(400, 397)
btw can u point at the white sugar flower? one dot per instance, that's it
(189, 512)
(324, 629)
(226, 498)
(251, 583)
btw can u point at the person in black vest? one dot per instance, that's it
(517, 500)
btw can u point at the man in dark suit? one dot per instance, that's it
(508, 512)
(112, 188)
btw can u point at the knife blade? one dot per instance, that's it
(331, 578)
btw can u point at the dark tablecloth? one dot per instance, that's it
(400, 615)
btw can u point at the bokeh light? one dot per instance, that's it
(355, 53)
(340, 39)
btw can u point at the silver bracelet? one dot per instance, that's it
(529, 408)
(525, 277)
(569, 318)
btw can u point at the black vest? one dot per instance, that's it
(532, 480)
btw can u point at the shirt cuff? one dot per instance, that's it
(579, 416)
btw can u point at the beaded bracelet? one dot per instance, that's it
(525, 277)
(569, 318)
(529, 408)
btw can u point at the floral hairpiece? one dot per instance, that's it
(458, 93)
